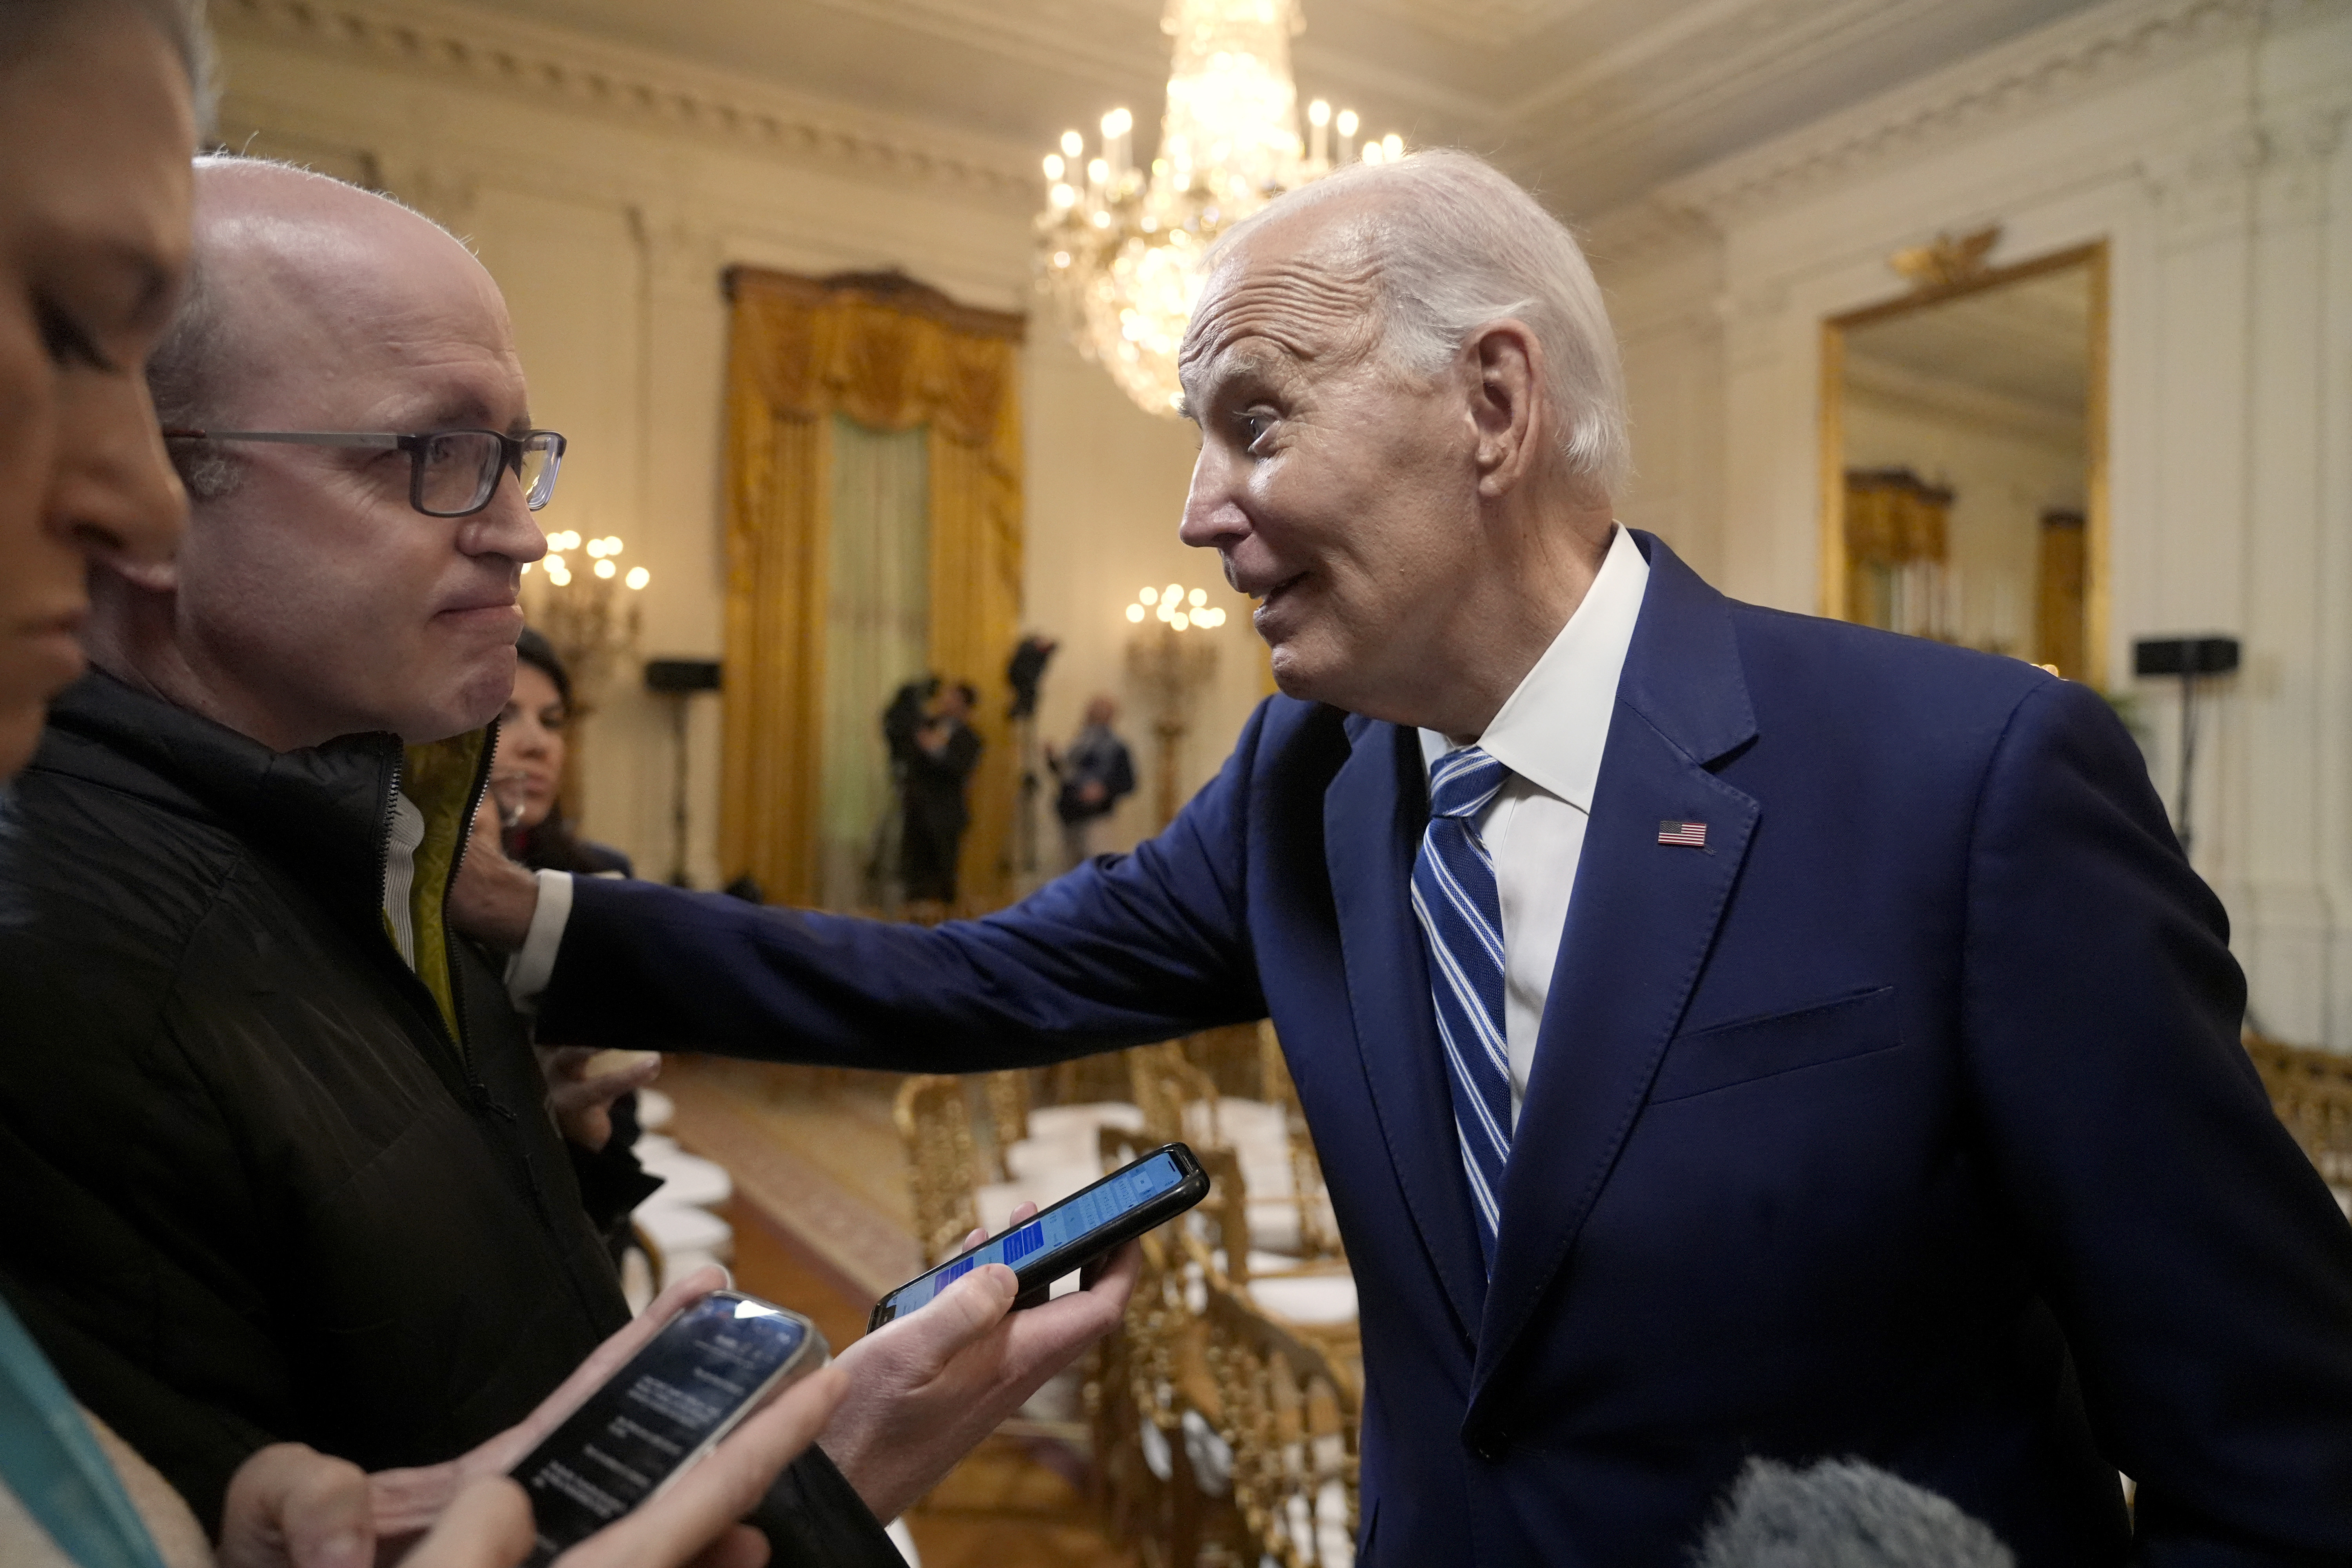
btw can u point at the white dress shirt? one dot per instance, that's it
(1550, 732)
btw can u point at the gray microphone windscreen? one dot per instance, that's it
(1841, 1513)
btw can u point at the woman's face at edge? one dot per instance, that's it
(94, 224)
(531, 745)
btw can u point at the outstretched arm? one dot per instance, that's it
(1136, 949)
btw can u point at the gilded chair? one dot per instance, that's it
(1150, 1403)
(1008, 1097)
(1291, 1416)
(934, 1121)
(2312, 1092)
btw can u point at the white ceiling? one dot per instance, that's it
(1591, 102)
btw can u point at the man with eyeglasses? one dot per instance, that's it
(297, 1182)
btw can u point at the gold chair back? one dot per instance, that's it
(1008, 1095)
(2312, 1092)
(934, 1121)
(1162, 1082)
(1293, 1423)
(1150, 1383)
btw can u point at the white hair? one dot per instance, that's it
(1455, 245)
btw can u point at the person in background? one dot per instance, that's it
(598, 1113)
(1096, 773)
(275, 1148)
(93, 250)
(939, 764)
(526, 778)
(1725, 1033)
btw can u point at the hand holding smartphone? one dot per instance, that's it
(708, 1368)
(1083, 1226)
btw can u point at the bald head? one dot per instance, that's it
(288, 264)
(310, 598)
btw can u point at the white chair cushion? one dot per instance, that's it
(675, 1228)
(1306, 1297)
(1029, 1158)
(1083, 1120)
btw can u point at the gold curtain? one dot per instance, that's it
(1891, 519)
(893, 355)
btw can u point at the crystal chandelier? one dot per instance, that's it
(1119, 249)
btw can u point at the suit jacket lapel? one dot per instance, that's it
(1640, 925)
(1373, 813)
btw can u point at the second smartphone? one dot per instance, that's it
(1082, 1228)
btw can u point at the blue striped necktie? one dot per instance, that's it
(1462, 917)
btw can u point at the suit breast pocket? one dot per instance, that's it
(1837, 1030)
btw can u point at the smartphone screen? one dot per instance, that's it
(1099, 1208)
(684, 1390)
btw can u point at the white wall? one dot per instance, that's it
(607, 192)
(2202, 140)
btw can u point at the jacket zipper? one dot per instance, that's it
(457, 1038)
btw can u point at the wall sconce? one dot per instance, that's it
(1169, 669)
(1176, 607)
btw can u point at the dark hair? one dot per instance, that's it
(533, 648)
(552, 846)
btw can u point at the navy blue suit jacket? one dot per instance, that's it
(1905, 1119)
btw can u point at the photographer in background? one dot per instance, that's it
(939, 762)
(1096, 773)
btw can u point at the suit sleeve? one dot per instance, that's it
(1120, 951)
(2200, 1268)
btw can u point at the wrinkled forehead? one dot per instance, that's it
(1301, 295)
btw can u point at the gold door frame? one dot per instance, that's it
(2092, 256)
(892, 354)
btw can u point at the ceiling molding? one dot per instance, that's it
(2053, 65)
(627, 86)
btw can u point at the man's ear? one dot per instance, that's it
(1506, 365)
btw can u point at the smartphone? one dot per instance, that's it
(1073, 1233)
(708, 1368)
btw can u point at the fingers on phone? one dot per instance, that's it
(695, 1515)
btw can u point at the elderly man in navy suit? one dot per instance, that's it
(1727, 1033)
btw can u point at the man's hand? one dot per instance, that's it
(492, 898)
(404, 1503)
(583, 1103)
(489, 1525)
(290, 1505)
(924, 1390)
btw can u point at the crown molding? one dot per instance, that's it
(582, 76)
(2064, 61)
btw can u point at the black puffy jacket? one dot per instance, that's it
(257, 1187)
(259, 1180)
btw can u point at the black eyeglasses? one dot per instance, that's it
(451, 473)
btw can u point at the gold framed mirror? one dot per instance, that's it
(1964, 493)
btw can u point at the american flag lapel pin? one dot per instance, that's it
(1691, 833)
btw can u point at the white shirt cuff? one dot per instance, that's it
(533, 963)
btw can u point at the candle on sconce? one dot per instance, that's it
(1318, 136)
(1347, 123)
(1118, 128)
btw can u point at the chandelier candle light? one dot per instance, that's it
(1169, 669)
(1119, 247)
(588, 631)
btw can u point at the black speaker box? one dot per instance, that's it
(681, 675)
